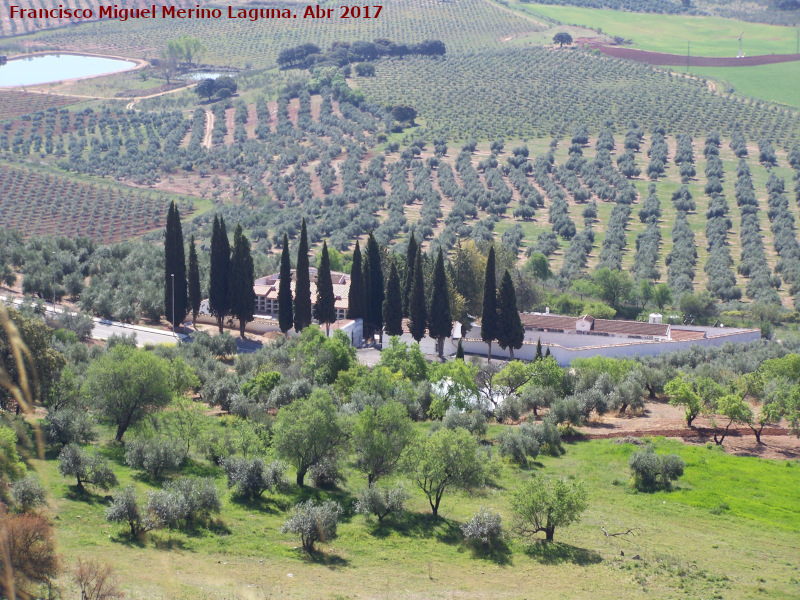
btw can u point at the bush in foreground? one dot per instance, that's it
(653, 471)
(314, 522)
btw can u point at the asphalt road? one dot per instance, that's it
(104, 328)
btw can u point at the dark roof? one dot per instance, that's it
(559, 322)
(564, 323)
(682, 335)
(631, 328)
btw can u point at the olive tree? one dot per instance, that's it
(653, 471)
(126, 384)
(380, 502)
(380, 436)
(252, 477)
(85, 467)
(446, 459)
(314, 522)
(541, 505)
(125, 509)
(307, 431)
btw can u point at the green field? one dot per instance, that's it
(777, 83)
(709, 36)
(688, 543)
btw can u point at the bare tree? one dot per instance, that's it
(96, 581)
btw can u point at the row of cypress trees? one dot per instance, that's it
(231, 278)
(382, 306)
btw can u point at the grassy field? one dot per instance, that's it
(729, 530)
(777, 83)
(710, 36)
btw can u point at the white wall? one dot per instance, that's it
(565, 355)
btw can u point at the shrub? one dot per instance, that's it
(183, 503)
(251, 477)
(85, 467)
(28, 547)
(326, 473)
(519, 443)
(96, 581)
(381, 501)
(653, 471)
(314, 522)
(125, 509)
(28, 493)
(472, 420)
(484, 529)
(155, 456)
(69, 426)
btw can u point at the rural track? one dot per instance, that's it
(209, 129)
(134, 99)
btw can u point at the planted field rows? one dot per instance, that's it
(42, 204)
(536, 92)
(14, 104)
(466, 25)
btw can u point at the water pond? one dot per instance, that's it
(47, 68)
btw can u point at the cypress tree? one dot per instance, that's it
(547, 352)
(375, 297)
(325, 309)
(195, 295)
(355, 297)
(489, 316)
(460, 351)
(538, 350)
(174, 264)
(393, 305)
(365, 274)
(417, 311)
(220, 272)
(302, 285)
(242, 295)
(411, 260)
(510, 331)
(441, 322)
(285, 312)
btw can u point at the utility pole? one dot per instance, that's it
(688, 53)
(173, 304)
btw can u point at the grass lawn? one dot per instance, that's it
(728, 530)
(776, 83)
(710, 36)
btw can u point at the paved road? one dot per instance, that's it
(104, 328)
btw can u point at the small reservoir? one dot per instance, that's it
(47, 68)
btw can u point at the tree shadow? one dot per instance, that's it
(419, 525)
(318, 557)
(77, 494)
(199, 469)
(268, 505)
(555, 553)
(295, 495)
(497, 551)
(126, 539)
(170, 543)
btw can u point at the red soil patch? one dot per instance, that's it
(661, 419)
(662, 59)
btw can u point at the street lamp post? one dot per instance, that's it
(54, 284)
(173, 304)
